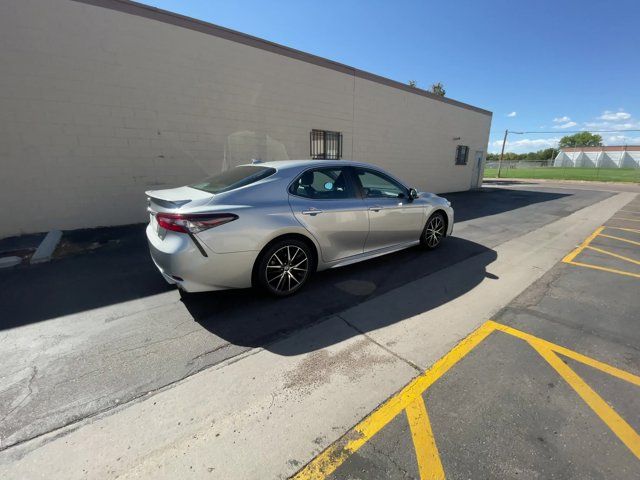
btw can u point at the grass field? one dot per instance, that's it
(559, 173)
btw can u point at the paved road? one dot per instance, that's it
(516, 404)
(88, 332)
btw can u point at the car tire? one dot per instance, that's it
(434, 231)
(284, 267)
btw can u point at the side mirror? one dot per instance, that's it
(413, 194)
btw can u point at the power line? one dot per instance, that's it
(507, 132)
(579, 131)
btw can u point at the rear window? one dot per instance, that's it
(234, 178)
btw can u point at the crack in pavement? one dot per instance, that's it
(390, 458)
(384, 347)
(30, 392)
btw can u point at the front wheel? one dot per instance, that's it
(285, 267)
(434, 231)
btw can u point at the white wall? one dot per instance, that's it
(413, 136)
(97, 106)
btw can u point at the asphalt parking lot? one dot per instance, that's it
(550, 388)
(97, 330)
(94, 330)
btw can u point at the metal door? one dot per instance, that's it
(476, 178)
(393, 219)
(324, 201)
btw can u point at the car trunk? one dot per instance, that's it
(172, 199)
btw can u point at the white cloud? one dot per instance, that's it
(631, 125)
(566, 125)
(621, 140)
(614, 116)
(524, 144)
(620, 121)
(512, 114)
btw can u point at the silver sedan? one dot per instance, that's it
(273, 224)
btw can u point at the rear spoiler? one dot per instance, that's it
(170, 204)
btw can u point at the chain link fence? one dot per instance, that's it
(620, 163)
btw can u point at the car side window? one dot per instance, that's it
(322, 184)
(376, 185)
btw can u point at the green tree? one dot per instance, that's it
(582, 139)
(413, 83)
(438, 89)
(546, 154)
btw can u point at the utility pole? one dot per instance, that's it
(504, 141)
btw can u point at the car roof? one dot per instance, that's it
(293, 167)
(297, 164)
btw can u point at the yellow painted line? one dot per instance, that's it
(410, 400)
(429, 464)
(615, 255)
(605, 269)
(619, 238)
(624, 229)
(608, 415)
(335, 455)
(582, 246)
(626, 219)
(604, 367)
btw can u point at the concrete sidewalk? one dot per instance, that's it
(264, 414)
(572, 184)
(547, 389)
(107, 329)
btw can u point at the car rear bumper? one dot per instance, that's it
(180, 262)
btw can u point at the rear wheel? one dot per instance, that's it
(285, 267)
(434, 231)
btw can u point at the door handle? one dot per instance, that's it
(311, 211)
(375, 208)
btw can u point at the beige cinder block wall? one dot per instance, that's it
(415, 137)
(98, 105)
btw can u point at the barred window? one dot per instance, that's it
(326, 145)
(462, 153)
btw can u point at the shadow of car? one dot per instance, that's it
(256, 320)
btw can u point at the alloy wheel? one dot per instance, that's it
(287, 269)
(434, 231)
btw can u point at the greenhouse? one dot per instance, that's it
(599, 157)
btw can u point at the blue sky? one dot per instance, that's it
(537, 65)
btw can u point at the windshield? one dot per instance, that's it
(234, 178)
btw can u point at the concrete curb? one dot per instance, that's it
(7, 262)
(553, 180)
(46, 247)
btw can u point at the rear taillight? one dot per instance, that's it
(193, 223)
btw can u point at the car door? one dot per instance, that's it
(393, 219)
(326, 203)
